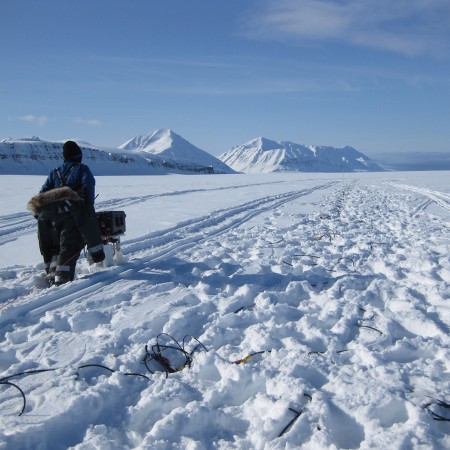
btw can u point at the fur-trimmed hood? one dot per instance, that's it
(44, 199)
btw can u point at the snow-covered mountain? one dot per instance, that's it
(164, 151)
(262, 155)
(166, 144)
(33, 156)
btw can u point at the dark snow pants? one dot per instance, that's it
(60, 243)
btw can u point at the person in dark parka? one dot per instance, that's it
(66, 216)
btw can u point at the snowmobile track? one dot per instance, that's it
(20, 224)
(147, 250)
(440, 198)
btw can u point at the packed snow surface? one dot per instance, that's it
(315, 309)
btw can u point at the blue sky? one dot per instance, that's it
(373, 74)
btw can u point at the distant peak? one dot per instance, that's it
(161, 133)
(261, 155)
(263, 144)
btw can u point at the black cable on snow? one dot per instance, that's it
(369, 327)
(8, 383)
(28, 372)
(155, 353)
(126, 374)
(289, 425)
(434, 415)
(5, 380)
(294, 419)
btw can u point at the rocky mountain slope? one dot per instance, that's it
(262, 155)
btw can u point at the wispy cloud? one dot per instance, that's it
(408, 27)
(148, 62)
(231, 75)
(90, 122)
(36, 120)
(251, 86)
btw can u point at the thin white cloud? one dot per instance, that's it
(408, 27)
(90, 122)
(36, 120)
(148, 62)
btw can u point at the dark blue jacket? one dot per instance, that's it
(79, 177)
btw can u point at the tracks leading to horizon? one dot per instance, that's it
(440, 198)
(13, 226)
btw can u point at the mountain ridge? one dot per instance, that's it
(33, 156)
(163, 151)
(262, 155)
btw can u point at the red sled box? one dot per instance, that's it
(111, 223)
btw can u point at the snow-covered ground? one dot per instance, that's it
(338, 285)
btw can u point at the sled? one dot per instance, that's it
(112, 226)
